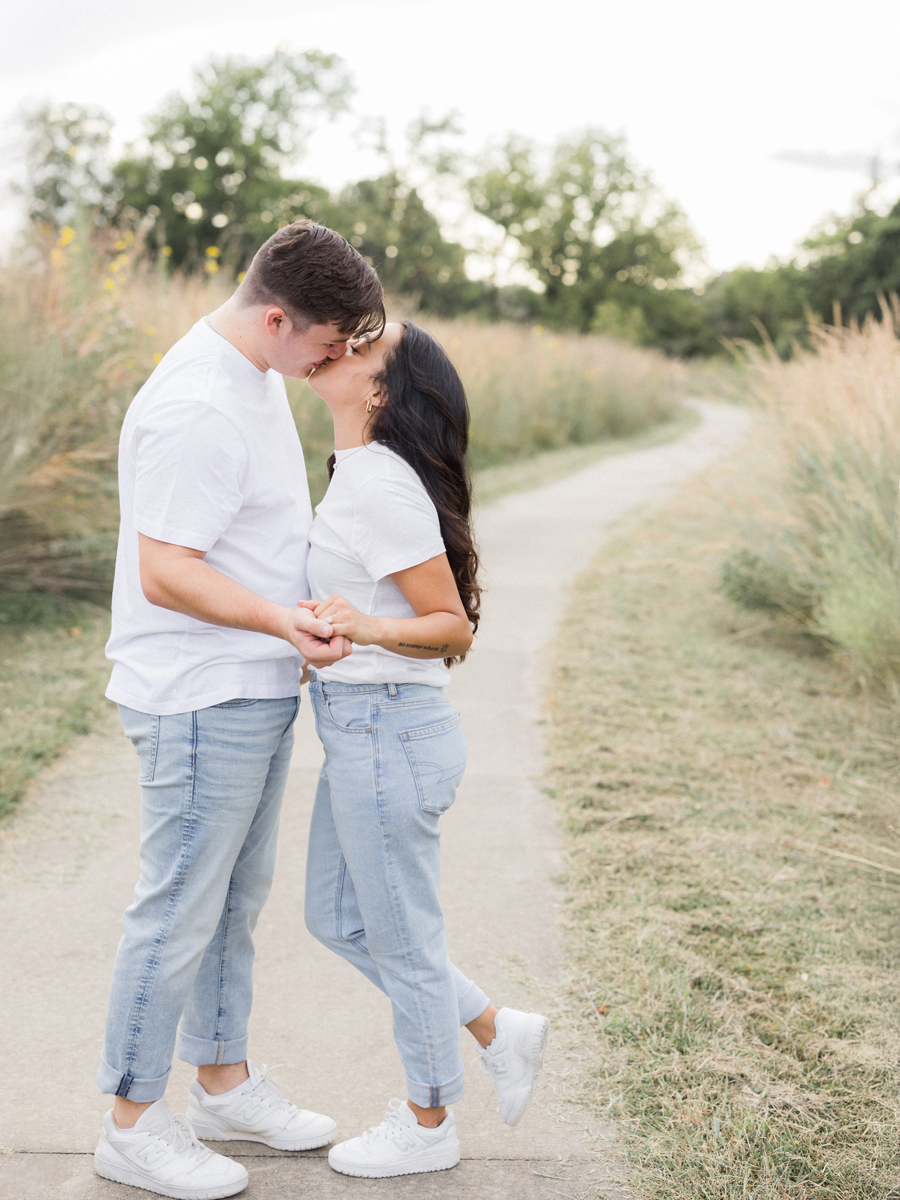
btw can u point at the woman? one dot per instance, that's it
(392, 550)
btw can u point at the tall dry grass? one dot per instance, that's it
(82, 326)
(820, 518)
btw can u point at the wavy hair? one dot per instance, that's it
(424, 418)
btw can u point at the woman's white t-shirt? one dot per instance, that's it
(376, 518)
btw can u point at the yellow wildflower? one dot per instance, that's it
(66, 235)
(109, 284)
(157, 357)
(213, 251)
(212, 267)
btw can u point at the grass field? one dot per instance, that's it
(733, 961)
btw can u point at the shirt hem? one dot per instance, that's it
(171, 708)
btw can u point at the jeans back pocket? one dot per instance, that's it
(437, 758)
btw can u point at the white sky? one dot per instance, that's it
(707, 91)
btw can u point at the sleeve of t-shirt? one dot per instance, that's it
(189, 467)
(395, 526)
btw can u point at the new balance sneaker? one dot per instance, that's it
(256, 1111)
(161, 1154)
(398, 1146)
(514, 1059)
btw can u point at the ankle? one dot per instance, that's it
(216, 1079)
(428, 1118)
(483, 1029)
(127, 1113)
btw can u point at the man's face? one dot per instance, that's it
(297, 353)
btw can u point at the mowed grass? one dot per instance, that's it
(734, 977)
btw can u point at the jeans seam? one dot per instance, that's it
(153, 961)
(396, 905)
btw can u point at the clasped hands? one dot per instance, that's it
(323, 630)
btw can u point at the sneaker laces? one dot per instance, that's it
(179, 1133)
(268, 1091)
(392, 1125)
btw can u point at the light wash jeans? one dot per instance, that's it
(394, 754)
(211, 789)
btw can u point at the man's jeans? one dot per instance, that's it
(394, 754)
(211, 789)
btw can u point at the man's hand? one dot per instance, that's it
(304, 632)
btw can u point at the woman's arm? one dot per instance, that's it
(440, 628)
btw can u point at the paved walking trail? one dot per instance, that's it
(68, 864)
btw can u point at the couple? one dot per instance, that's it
(225, 590)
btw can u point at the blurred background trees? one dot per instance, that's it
(600, 247)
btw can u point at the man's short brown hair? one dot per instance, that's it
(318, 278)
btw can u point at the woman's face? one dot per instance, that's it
(349, 381)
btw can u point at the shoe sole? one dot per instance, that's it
(209, 1133)
(539, 1049)
(392, 1172)
(121, 1173)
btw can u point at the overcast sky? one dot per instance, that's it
(708, 92)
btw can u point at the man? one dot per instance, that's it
(207, 644)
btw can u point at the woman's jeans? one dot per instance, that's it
(211, 789)
(394, 754)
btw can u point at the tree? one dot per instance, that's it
(597, 235)
(387, 220)
(853, 263)
(212, 176)
(66, 161)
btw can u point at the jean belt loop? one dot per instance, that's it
(392, 691)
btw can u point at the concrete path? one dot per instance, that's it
(68, 864)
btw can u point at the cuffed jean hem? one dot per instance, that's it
(438, 1094)
(201, 1052)
(471, 1003)
(142, 1091)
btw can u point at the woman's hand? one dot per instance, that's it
(346, 620)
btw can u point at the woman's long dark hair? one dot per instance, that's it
(424, 417)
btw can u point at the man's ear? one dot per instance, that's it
(275, 319)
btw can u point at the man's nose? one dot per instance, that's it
(339, 351)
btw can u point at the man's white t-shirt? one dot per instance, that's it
(209, 458)
(376, 518)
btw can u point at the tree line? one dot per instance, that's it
(595, 245)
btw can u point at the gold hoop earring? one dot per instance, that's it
(368, 406)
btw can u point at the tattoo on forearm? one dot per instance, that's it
(415, 646)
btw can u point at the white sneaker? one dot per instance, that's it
(161, 1154)
(514, 1058)
(398, 1146)
(256, 1111)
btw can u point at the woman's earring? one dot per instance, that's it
(369, 405)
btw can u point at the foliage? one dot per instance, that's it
(387, 220)
(854, 263)
(820, 538)
(67, 171)
(603, 244)
(213, 174)
(107, 316)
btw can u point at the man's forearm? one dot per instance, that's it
(193, 587)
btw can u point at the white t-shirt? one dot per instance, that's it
(376, 518)
(209, 458)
